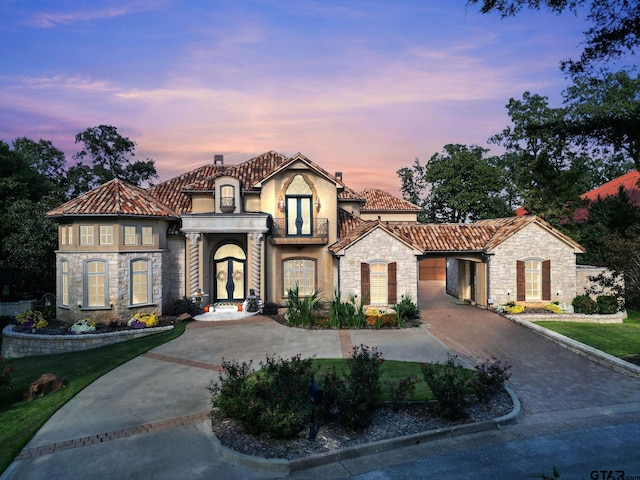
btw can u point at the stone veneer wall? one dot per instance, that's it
(175, 270)
(118, 285)
(452, 277)
(532, 242)
(18, 344)
(379, 246)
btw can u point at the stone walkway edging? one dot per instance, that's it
(578, 347)
(279, 465)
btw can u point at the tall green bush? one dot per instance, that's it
(302, 310)
(450, 386)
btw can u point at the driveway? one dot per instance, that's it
(148, 418)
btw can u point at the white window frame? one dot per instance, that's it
(140, 282)
(129, 235)
(63, 235)
(70, 235)
(533, 279)
(147, 235)
(300, 272)
(95, 282)
(378, 283)
(106, 234)
(87, 234)
(227, 196)
(64, 282)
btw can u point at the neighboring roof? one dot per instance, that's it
(628, 182)
(114, 198)
(377, 200)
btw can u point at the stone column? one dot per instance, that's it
(194, 262)
(256, 261)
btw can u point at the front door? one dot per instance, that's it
(229, 270)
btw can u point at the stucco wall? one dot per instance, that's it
(532, 242)
(379, 246)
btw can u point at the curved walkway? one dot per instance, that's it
(148, 418)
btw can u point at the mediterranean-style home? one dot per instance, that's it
(275, 222)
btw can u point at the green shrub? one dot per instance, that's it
(361, 396)
(584, 304)
(490, 378)
(274, 401)
(346, 314)
(406, 310)
(302, 311)
(270, 308)
(6, 376)
(449, 384)
(185, 305)
(401, 390)
(607, 304)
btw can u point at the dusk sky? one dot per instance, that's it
(361, 87)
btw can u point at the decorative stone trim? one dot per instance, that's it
(569, 317)
(19, 344)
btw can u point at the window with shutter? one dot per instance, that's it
(520, 281)
(365, 290)
(392, 288)
(546, 280)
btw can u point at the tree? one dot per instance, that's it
(614, 31)
(604, 113)
(547, 172)
(462, 185)
(111, 157)
(28, 238)
(43, 158)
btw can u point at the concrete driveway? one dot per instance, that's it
(148, 418)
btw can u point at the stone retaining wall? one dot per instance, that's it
(11, 309)
(18, 344)
(569, 317)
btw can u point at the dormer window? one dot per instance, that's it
(227, 199)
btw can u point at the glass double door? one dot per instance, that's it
(229, 269)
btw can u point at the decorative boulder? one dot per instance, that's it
(47, 383)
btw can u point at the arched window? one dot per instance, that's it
(299, 211)
(140, 281)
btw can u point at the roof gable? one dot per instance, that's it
(115, 197)
(365, 229)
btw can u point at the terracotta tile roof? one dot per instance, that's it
(170, 192)
(628, 182)
(508, 226)
(357, 233)
(347, 223)
(446, 237)
(378, 200)
(114, 198)
(482, 236)
(348, 194)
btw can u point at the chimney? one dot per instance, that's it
(339, 175)
(218, 159)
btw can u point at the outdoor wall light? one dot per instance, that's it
(317, 204)
(281, 204)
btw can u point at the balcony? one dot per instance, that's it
(319, 233)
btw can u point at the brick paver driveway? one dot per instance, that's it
(546, 377)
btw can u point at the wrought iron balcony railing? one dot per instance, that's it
(319, 233)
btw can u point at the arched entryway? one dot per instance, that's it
(229, 273)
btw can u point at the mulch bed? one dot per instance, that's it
(58, 327)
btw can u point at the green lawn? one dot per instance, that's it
(19, 420)
(618, 339)
(391, 370)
